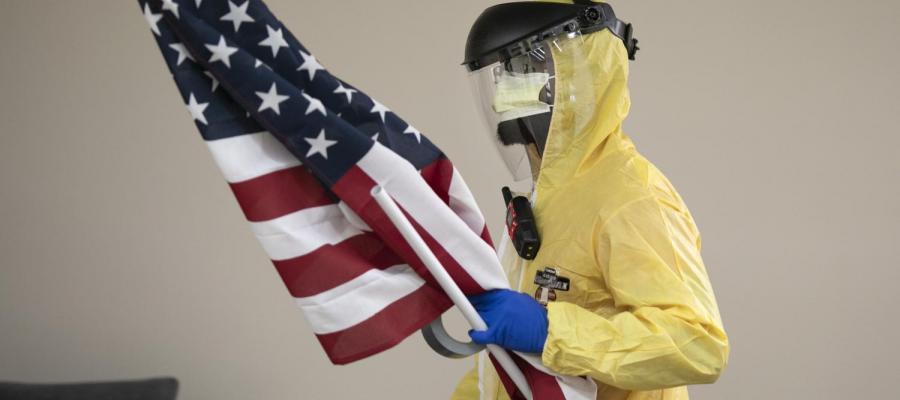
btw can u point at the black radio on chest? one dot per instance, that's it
(521, 225)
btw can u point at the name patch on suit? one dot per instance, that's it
(548, 282)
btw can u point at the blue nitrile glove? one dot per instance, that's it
(515, 321)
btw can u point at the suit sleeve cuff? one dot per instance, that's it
(560, 330)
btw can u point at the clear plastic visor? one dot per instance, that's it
(508, 92)
(517, 98)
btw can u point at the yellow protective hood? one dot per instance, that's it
(597, 77)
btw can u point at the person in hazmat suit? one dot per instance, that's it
(617, 290)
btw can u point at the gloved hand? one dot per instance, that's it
(515, 321)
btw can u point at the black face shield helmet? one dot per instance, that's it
(509, 56)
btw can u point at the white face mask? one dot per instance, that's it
(519, 95)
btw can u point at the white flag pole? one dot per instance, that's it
(453, 291)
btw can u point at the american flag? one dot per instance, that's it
(301, 150)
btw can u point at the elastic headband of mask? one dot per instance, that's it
(592, 18)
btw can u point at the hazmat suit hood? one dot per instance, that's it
(591, 102)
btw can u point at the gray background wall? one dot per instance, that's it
(123, 254)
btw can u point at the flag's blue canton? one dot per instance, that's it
(239, 71)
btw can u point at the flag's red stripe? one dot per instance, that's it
(332, 265)
(508, 384)
(387, 328)
(486, 236)
(280, 193)
(438, 175)
(355, 187)
(543, 386)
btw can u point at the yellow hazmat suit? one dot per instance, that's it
(640, 317)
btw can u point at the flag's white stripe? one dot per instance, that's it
(302, 232)
(463, 203)
(400, 179)
(359, 299)
(250, 156)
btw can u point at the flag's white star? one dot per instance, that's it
(182, 53)
(271, 100)
(257, 63)
(215, 82)
(198, 3)
(237, 14)
(347, 91)
(152, 19)
(172, 6)
(375, 136)
(310, 64)
(275, 40)
(314, 105)
(319, 145)
(196, 109)
(380, 109)
(413, 131)
(221, 52)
